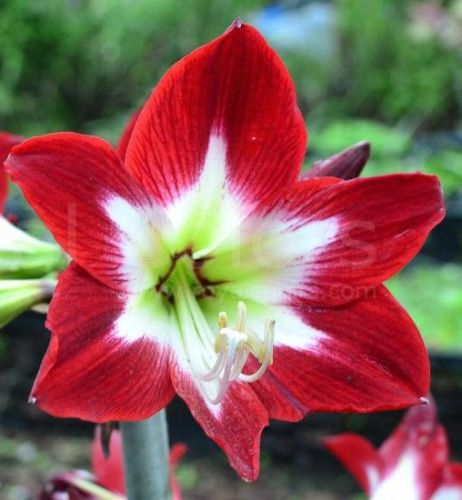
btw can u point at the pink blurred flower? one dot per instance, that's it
(412, 464)
(107, 481)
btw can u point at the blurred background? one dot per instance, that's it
(386, 71)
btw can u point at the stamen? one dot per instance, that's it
(233, 346)
(268, 354)
(217, 368)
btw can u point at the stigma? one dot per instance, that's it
(233, 347)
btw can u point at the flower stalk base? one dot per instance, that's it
(145, 450)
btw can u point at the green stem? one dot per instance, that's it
(145, 446)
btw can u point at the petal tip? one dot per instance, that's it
(236, 24)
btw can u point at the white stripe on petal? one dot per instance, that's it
(401, 482)
(206, 213)
(268, 258)
(145, 316)
(144, 256)
(290, 330)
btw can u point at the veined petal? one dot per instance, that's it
(97, 212)
(211, 130)
(361, 357)
(235, 424)
(328, 242)
(359, 457)
(7, 141)
(369, 356)
(108, 355)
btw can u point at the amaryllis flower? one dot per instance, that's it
(412, 463)
(7, 141)
(107, 481)
(203, 267)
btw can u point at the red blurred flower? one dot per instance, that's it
(412, 463)
(205, 218)
(7, 141)
(108, 474)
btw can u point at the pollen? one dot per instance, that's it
(233, 347)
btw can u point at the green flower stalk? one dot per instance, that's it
(23, 256)
(17, 296)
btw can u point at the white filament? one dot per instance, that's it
(234, 345)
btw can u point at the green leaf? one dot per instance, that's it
(433, 297)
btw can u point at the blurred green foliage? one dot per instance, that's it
(432, 295)
(83, 64)
(392, 72)
(66, 63)
(386, 141)
(393, 150)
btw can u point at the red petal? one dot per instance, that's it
(82, 173)
(92, 370)
(276, 397)
(109, 471)
(7, 141)
(368, 356)
(423, 440)
(235, 88)
(381, 223)
(235, 424)
(359, 458)
(345, 165)
(126, 134)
